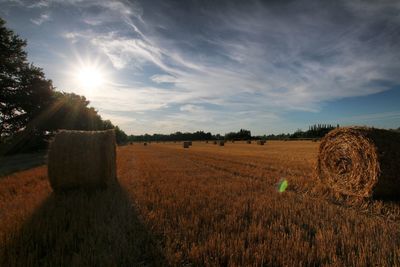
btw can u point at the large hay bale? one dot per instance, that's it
(361, 162)
(261, 142)
(221, 143)
(186, 144)
(82, 159)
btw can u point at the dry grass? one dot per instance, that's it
(222, 211)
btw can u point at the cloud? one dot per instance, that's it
(163, 78)
(43, 18)
(261, 59)
(191, 108)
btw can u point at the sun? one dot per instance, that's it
(89, 77)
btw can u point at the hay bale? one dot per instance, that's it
(261, 142)
(145, 144)
(361, 162)
(248, 142)
(82, 159)
(215, 142)
(186, 144)
(221, 143)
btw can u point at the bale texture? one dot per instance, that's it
(361, 162)
(82, 159)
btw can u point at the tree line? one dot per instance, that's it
(314, 132)
(31, 110)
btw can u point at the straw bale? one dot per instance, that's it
(82, 159)
(361, 162)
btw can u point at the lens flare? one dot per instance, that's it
(282, 185)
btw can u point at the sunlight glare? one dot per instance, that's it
(89, 77)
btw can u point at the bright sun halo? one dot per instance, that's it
(89, 77)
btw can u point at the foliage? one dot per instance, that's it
(30, 109)
(314, 131)
(25, 91)
(178, 136)
(241, 135)
(120, 136)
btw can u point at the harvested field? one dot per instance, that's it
(222, 211)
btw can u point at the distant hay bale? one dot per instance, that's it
(221, 143)
(248, 142)
(82, 159)
(186, 144)
(361, 162)
(261, 142)
(206, 141)
(145, 144)
(215, 142)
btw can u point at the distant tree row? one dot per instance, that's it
(314, 131)
(241, 135)
(178, 136)
(30, 108)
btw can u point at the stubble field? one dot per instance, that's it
(203, 206)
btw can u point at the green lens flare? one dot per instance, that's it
(282, 185)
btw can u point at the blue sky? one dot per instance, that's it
(267, 66)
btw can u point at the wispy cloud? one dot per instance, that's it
(43, 18)
(162, 78)
(258, 59)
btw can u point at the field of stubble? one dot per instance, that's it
(202, 206)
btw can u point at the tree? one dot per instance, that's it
(25, 91)
(120, 136)
(241, 135)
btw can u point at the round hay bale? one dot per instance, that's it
(82, 159)
(186, 144)
(248, 141)
(221, 143)
(261, 142)
(361, 162)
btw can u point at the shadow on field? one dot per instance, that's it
(21, 162)
(78, 228)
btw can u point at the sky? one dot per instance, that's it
(219, 66)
